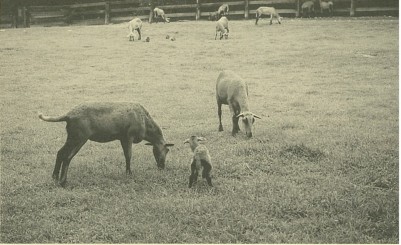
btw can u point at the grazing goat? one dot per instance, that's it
(201, 159)
(223, 10)
(231, 90)
(267, 11)
(326, 6)
(134, 24)
(308, 7)
(159, 14)
(104, 122)
(222, 27)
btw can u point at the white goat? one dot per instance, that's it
(200, 159)
(267, 11)
(326, 6)
(231, 90)
(134, 24)
(222, 27)
(308, 7)
(159, 14)
(104, 122)
(223, 10)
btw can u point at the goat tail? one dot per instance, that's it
(53, 119)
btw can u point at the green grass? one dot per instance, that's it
(322, 166)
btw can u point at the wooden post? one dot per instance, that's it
(297, 10)
(28, 17)
(198, 11)
(20, 16)
(246, 9)
(107, 13)
(352, 9)
(24, 17)
(152, 6)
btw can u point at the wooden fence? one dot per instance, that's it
(107, 11)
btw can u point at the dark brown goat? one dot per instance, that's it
(105, 122)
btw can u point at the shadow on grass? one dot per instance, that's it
(302, 151)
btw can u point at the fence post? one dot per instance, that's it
(246, 9)
(198, 11)
(107, 13)
(352, 9)
(297, 9)
(151, 6)
(23, 12)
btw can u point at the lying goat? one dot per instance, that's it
(231, 90)
(201, 159)
(267, 11)
(104, 122)
(135, 24)
(308, 7)
(159, 14)
(222, 27)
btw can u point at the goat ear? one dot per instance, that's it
(202, 138)
(169, 144)
(186, 141)
(148, 143)
(257, 116)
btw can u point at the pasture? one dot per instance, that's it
(322, 166)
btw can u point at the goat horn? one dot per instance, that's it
(241, 115)
(257, 116)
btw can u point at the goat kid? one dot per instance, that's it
(200, 159)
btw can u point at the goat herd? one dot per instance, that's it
(307, 8)
(131, 123)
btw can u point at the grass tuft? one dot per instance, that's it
(302, 151)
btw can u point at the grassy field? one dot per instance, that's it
(322, 166)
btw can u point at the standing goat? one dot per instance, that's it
(223, 10)
(159, 14)
(308, 7)
(326, 6)
(267, 11)
(231, 90)
(105, 122)
(222, 27)
(134, 24)
(201, 159)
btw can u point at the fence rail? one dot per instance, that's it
(106, 11)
